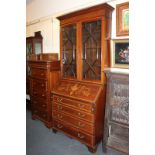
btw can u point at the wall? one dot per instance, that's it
(40, 8)
(41, 17)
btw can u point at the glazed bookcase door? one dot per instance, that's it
(69, 51)
(38, 48)
(28, 49)
(91, 50)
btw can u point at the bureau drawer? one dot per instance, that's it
(39, 73)
(73, 103)
(39, 103)
(87, 127)
(39, 84)
(71, 111)
(40, 113)
(39, 93)
(74, 132)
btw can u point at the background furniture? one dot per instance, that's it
(34, 46)
(44, 74)
(116, 133)
(84, 53)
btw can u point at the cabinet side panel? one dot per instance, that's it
(54, 79)
(100, 110)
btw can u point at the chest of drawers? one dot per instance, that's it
(116, 133)
(43, 76)
(78, 111)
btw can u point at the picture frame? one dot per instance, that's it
(120, 53)
(122, 19)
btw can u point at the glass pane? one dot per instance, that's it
(28, 70)
(91, 50)
(28, 49)
(69, 51)
(37, 48)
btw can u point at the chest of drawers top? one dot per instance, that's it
(78, 90)
(44, 65)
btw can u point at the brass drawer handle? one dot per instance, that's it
(81, 136)
(81, 115)
(60, 126)
(59, 99)
(81, 124)
(93, 109)
(59, 116)
(81, 105)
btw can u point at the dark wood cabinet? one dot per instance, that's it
(116, 133)
(27, 78)
(78, 101)
(33, 46)
(44, 74)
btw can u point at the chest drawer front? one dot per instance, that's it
(71, 111)
(73, 103)
(87, 127)
(39, 93)
(39, 103)
(39, 84)
(73, 132)
(39, 73)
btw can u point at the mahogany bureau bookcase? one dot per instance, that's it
(116, 133)
(78, 101)
(44, 74)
